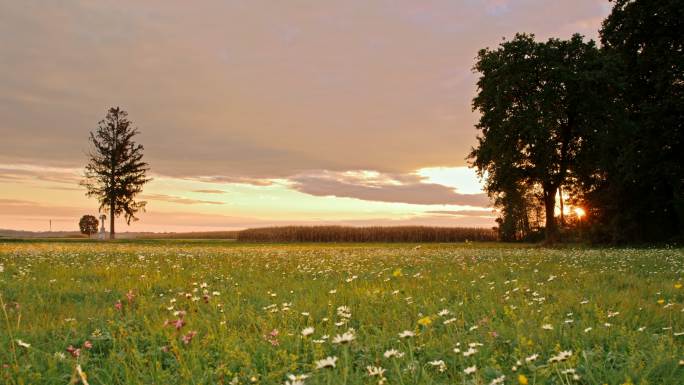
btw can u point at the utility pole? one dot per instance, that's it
(50, 225)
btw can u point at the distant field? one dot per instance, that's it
(217, 312)
(298, 234)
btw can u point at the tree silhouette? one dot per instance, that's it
(534, 103)
(88, 225)
(115, 172)
(640, 196)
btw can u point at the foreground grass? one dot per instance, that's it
(218, 313)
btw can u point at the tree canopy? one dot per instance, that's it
(604, 124)
(88, 225)
(532, 100)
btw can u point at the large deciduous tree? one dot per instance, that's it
(115, 172)
(640, 194)
(535, 102)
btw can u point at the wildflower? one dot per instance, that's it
(73, 351)
(375, 371)
(469, 352)
(661, 301)
(522, 380)
(397, 273)
(272, 337)
(532, 358)
(441, 366)
(188, 337)
(560, 357)
(118, 305)
(60, 356)
(676, 285)
(345, 338)
(344, 312)
(547, 327)
(88, 345)
(425, 321)
(443, 313)
(307, 331)
(498, 380)
(130, 296)
(179, 323)
(393, 353)
(296, 379)
(470, 370)
(407, 334)
(23, 344)
(328, 362)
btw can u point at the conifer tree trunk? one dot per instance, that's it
(111, 220)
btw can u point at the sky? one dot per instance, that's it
(256, 113)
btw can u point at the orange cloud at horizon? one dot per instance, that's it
(32, 198)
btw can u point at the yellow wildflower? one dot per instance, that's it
(425, 321)
(522, 380)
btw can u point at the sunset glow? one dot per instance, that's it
(257, 114)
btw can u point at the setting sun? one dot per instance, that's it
(579, 212)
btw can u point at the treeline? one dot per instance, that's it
(596, 126)
(365, 234)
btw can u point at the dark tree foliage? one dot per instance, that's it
(633, 178)
(535, 103)
(115, 173)
(88, 225)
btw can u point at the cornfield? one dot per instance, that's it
(366, 234)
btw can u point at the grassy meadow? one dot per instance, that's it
(173, 312)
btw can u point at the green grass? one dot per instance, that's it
(235, 296)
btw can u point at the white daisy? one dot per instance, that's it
(470, 370)
(393, 353)
(328, 362)
(407, 334)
